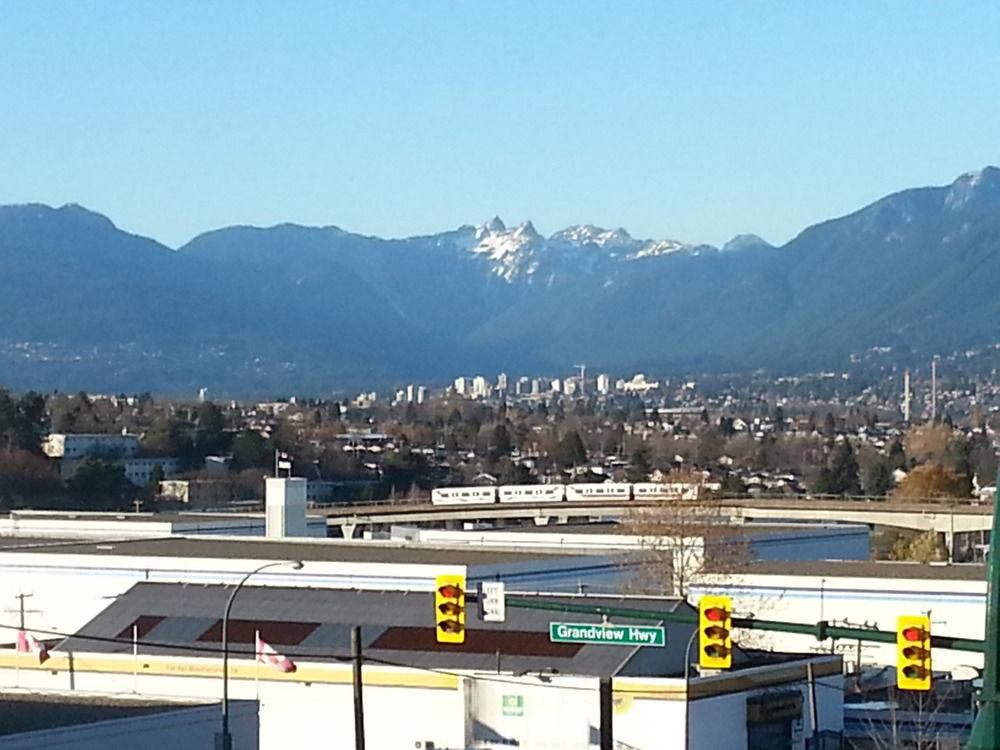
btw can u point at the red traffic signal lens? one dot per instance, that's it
(450, 591)
(914, 634)
(715, 614)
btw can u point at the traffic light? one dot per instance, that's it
(449, 609)
(715, 623)
(913, 652)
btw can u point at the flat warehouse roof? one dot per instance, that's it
(866, 569)
(310, 550)
(97, 516)
(397, 629)
(36, 711)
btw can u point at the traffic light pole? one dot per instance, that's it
(986, 728)
(820, 630)
(607, 714)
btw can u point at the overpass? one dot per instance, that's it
(946, 518)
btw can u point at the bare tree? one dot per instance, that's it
(921, 721)
(683, 535)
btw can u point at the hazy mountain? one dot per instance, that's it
(292, 308)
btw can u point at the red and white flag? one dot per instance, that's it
(267, 655)
(28, 644)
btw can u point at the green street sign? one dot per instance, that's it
(610, 635)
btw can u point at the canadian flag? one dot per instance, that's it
(28, 644)
(267, 655)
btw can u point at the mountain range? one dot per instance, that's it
(295, 309)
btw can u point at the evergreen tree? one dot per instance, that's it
(639, 468)
(732, 486)
(878, 480)
(841, 476)
(570, 451)
(500, 441)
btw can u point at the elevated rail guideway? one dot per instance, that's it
(942, 517)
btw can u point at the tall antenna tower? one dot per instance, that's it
(583, 379)
(906, 396)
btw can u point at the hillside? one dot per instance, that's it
(289, 308)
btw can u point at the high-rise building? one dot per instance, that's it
(604, 384)
(411, 393)
(502, 381)
(480, 387)
(523, 386)
(421, 394)
(461, 386)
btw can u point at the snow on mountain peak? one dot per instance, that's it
(527, 231)
(493, 226)
(521, 251)
(971, 185)
(653, 248)
(588, 234)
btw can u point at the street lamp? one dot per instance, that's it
(223, 740)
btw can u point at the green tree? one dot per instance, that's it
(878, 479)
(841, 476)
(571, 451)
(733, 486)
(639, 468)
(500, 443)
(97, 484)
(210, 437)
(251, 451)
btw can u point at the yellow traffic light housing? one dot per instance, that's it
(715, 624)
(913, 652)
(449, 608)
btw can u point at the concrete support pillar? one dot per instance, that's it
(347, 530)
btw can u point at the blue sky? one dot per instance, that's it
(692, 121)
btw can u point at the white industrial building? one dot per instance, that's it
(865, 594)
(41, 525)
(508, 684)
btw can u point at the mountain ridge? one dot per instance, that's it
(294, 307)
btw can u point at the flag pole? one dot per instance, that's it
(256, 659)
(135, 658)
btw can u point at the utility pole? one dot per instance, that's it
(986, 728)
(359, 706)
(21, 611)
(607, 712)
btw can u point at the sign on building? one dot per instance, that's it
(513, 705)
